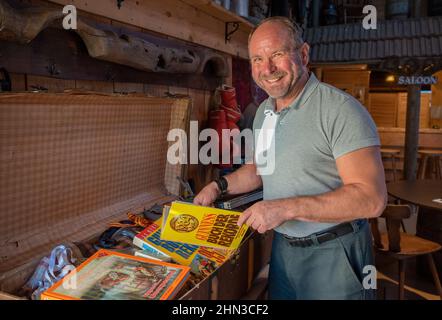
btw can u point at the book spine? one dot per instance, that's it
(152, 255)
(150, 249)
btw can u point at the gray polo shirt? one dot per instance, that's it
(322, 124)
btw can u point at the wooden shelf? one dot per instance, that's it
(217, 11)
(201, 22)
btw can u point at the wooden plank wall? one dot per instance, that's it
(383, 108)
(346, 79)
(424, 119)
(395, 138)
(354, 82)
(389, 109)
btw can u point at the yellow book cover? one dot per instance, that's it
(204, 226)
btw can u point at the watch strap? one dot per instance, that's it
(222, 185)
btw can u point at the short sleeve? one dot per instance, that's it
(350, 127)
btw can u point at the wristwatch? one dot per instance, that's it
(222, 185)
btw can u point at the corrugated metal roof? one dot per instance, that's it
(420, 37)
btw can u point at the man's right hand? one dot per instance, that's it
(208, 195)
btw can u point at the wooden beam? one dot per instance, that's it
(62, 55)
(213, 9)
(346, 66)
(412, 132)
(169, 17)
(416, 9)
(24, 25)
(110, 44)
(49, 84)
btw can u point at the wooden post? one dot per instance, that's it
(416, 10)
(316, 10)
(280, 8)
(412, 131)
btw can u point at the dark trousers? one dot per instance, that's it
(331, 270)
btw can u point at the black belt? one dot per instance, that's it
(327, 235)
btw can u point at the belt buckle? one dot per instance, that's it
(297, 242)
(293, 241)
(300, 242)
(326, 236)
(303, 243)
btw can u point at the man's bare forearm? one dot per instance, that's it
(343, 204)
(243, 180)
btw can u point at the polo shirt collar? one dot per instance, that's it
(306, 92)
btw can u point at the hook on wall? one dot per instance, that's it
(228, 34)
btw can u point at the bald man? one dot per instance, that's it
(325, 178)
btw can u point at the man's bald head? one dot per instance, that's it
(294, 32)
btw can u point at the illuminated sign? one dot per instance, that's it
(417, 80)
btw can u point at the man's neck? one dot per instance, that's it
(285, 102)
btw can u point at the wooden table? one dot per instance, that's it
(429, 220)
(419, 192)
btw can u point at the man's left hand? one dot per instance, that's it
(265, 215)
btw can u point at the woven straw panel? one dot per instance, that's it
(72, 163)
(179, 119)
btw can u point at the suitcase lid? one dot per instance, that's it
(71, 163)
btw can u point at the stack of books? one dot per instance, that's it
(186, 239)
(184, 235)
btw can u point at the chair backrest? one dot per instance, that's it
(393, 215)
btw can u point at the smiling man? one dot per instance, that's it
(327, 180)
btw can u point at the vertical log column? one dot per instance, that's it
(316, 9)
(412, 132)
(417, 8)
(280, 8)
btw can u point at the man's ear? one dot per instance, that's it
(305, 53)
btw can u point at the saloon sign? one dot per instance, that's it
(417, 80)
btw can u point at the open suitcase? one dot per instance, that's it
(73, 163)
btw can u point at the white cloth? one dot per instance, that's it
(50, 270)
(264, 146)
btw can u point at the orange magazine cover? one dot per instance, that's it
(110, 275)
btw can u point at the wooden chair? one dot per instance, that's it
(402, 246)
(432, 158)
(392, 155)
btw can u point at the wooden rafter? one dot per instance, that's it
(108, 45)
